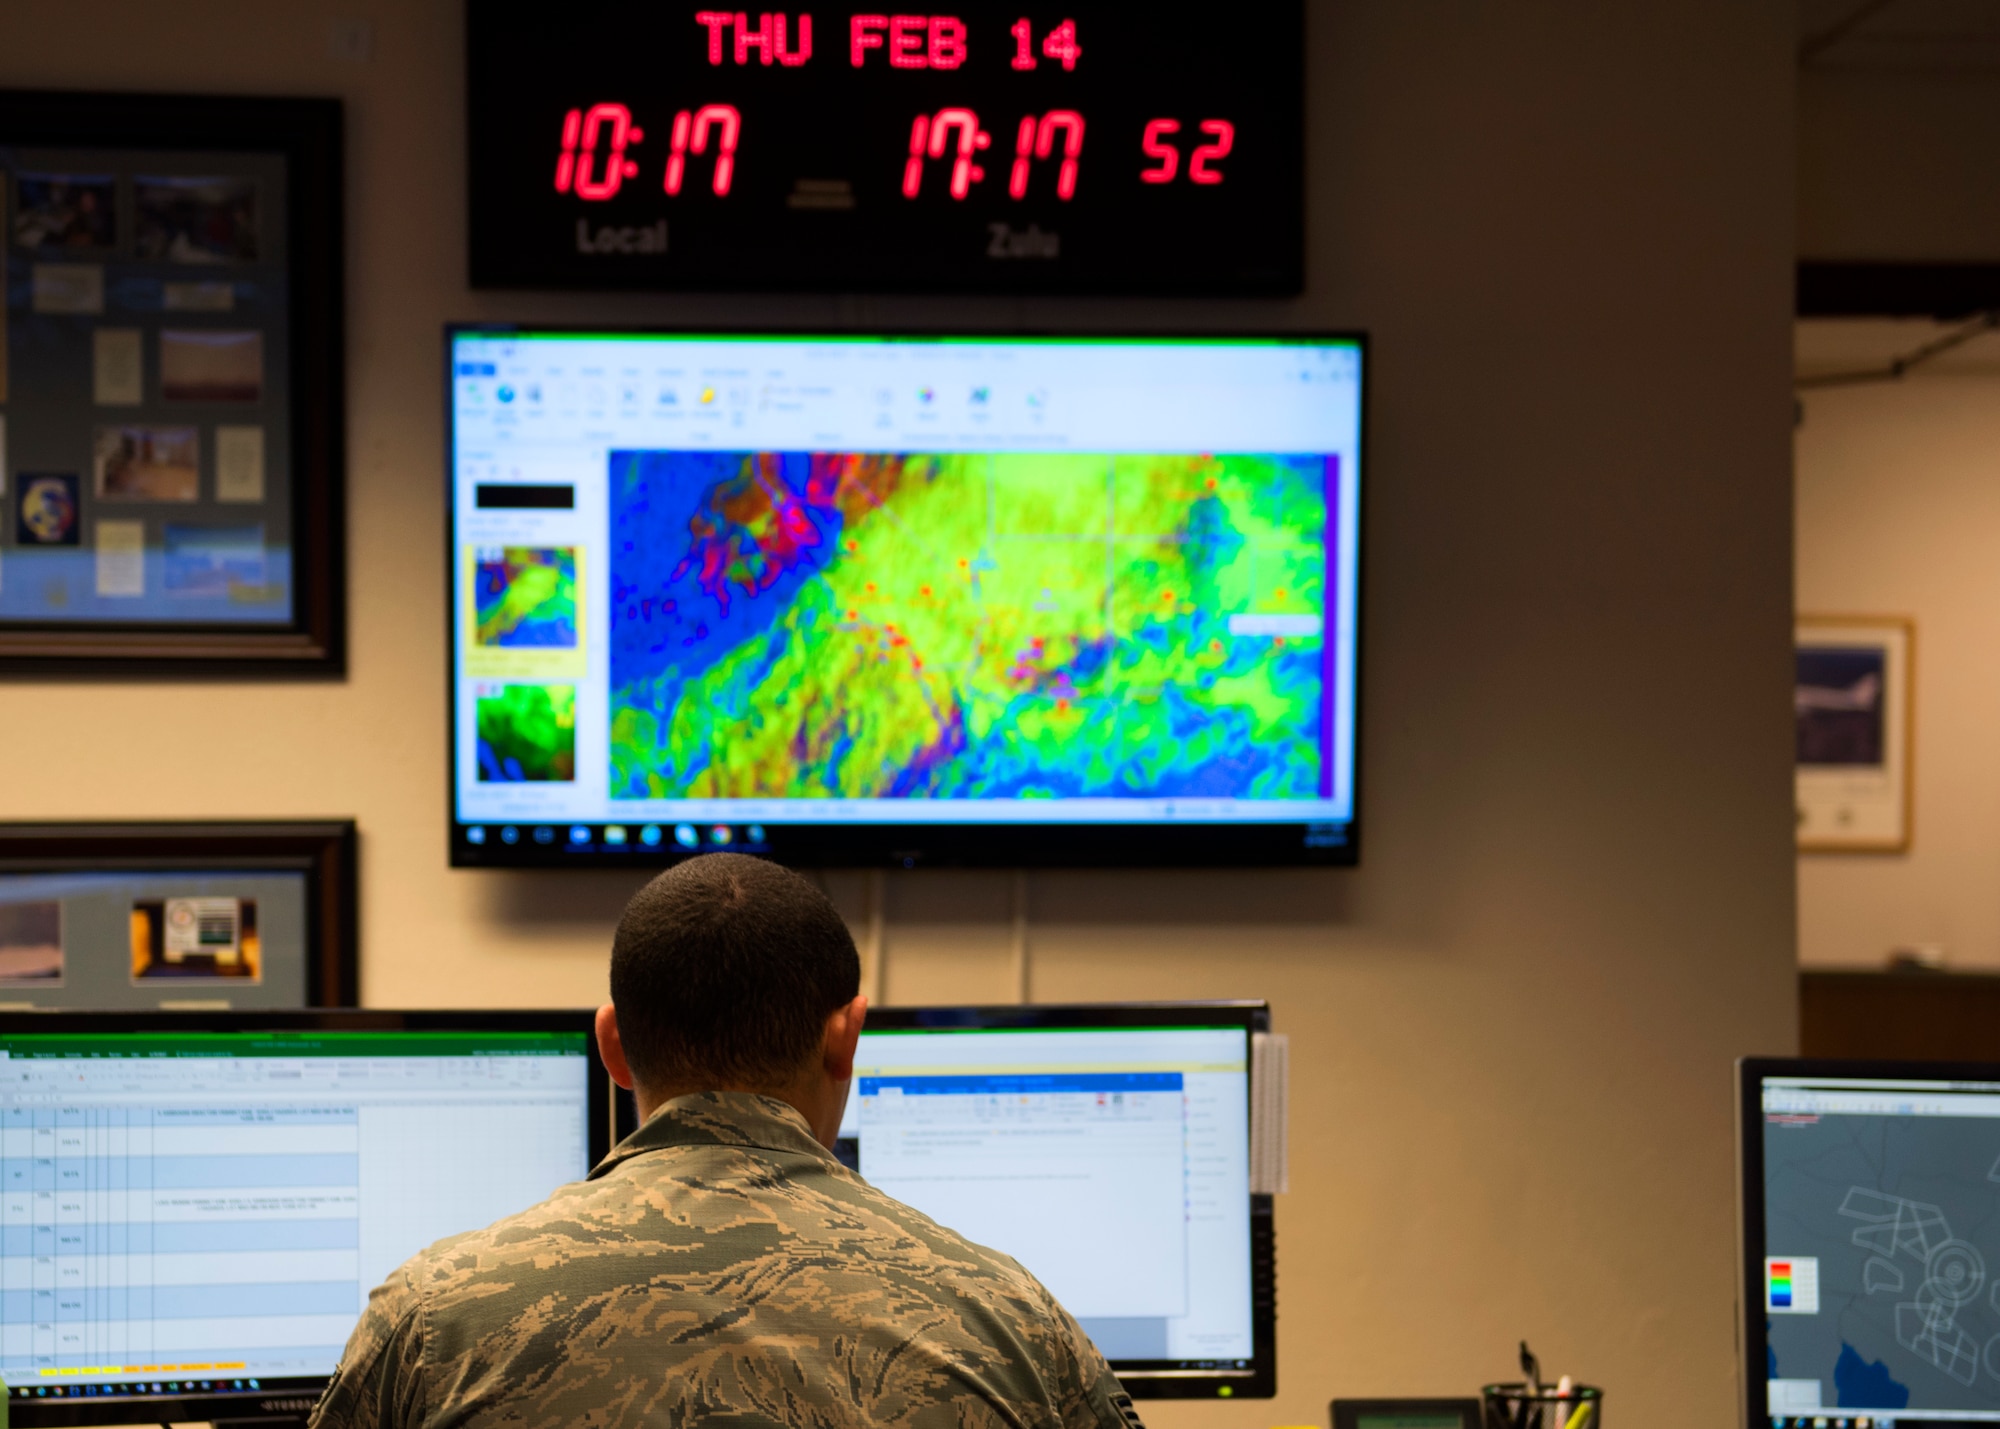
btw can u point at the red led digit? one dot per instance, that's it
(864, 33)
(1024, 149)
(1061, 44)
(1071, 123)
(906, 41)
(617, 168)
(1024, 40)
(1167, 154)
(725, 118)
(677, 149)
(913, 167)
(794, 58)
(947, 42)
(1224, 134)
(566, 160)
(717, 21)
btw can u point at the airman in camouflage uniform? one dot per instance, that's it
(720, 1269)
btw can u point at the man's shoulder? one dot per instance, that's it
(717, 1266)
(693, 1213)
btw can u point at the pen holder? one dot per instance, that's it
(1514, 1406)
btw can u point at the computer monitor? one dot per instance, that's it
(1106, 1148)
(861, 599)
(1867, 1225)
(194, 1206)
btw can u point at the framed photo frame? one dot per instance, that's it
(171, 384)
(1852, 706)
(178, 916)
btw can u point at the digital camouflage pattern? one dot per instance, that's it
(719, 1269)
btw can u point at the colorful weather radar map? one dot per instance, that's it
(846, 598)
(972, 625)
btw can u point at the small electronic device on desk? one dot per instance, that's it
(1406, 1414)
(195, 1206)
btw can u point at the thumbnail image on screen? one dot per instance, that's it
(1876, 1292)
(733, 591)
(207, 1211)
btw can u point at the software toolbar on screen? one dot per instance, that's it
(845, 597)
(1112, 1162)
(205, 1213)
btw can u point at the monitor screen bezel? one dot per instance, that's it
(1146, 1379)
(185, 1407)
(966, 845)
(1750, 1074)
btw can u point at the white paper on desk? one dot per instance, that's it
(68, 287)
(1269, 1098)
(239, 463)
(121, 558)
(119, 378)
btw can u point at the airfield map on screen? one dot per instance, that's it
(1882, 1240)
(796, 580)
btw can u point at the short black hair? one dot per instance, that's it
(723, 971)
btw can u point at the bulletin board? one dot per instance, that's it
(170, 455)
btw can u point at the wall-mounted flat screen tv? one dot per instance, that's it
(869, 600)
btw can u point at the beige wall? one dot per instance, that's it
(1569, 227)
(1899, 514)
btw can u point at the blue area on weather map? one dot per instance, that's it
(1866, 1384)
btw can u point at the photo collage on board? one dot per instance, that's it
(141, 386)
(124, 928)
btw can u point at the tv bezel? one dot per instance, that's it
(1148, 1379)
(951, 845)
(1753, 1388)
(287, 1401)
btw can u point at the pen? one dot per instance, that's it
(1531, 1408)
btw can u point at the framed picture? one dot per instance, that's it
(1851, 706)
(197, 916)
(171, 412)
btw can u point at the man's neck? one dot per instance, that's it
(799, 1099)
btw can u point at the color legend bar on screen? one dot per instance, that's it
(1791, 1285)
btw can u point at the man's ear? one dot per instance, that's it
(610, 1049)
(843, 1036)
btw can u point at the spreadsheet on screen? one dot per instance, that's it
(218, 1205)
(1112, 1162)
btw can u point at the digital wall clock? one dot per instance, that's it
(997, 147)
